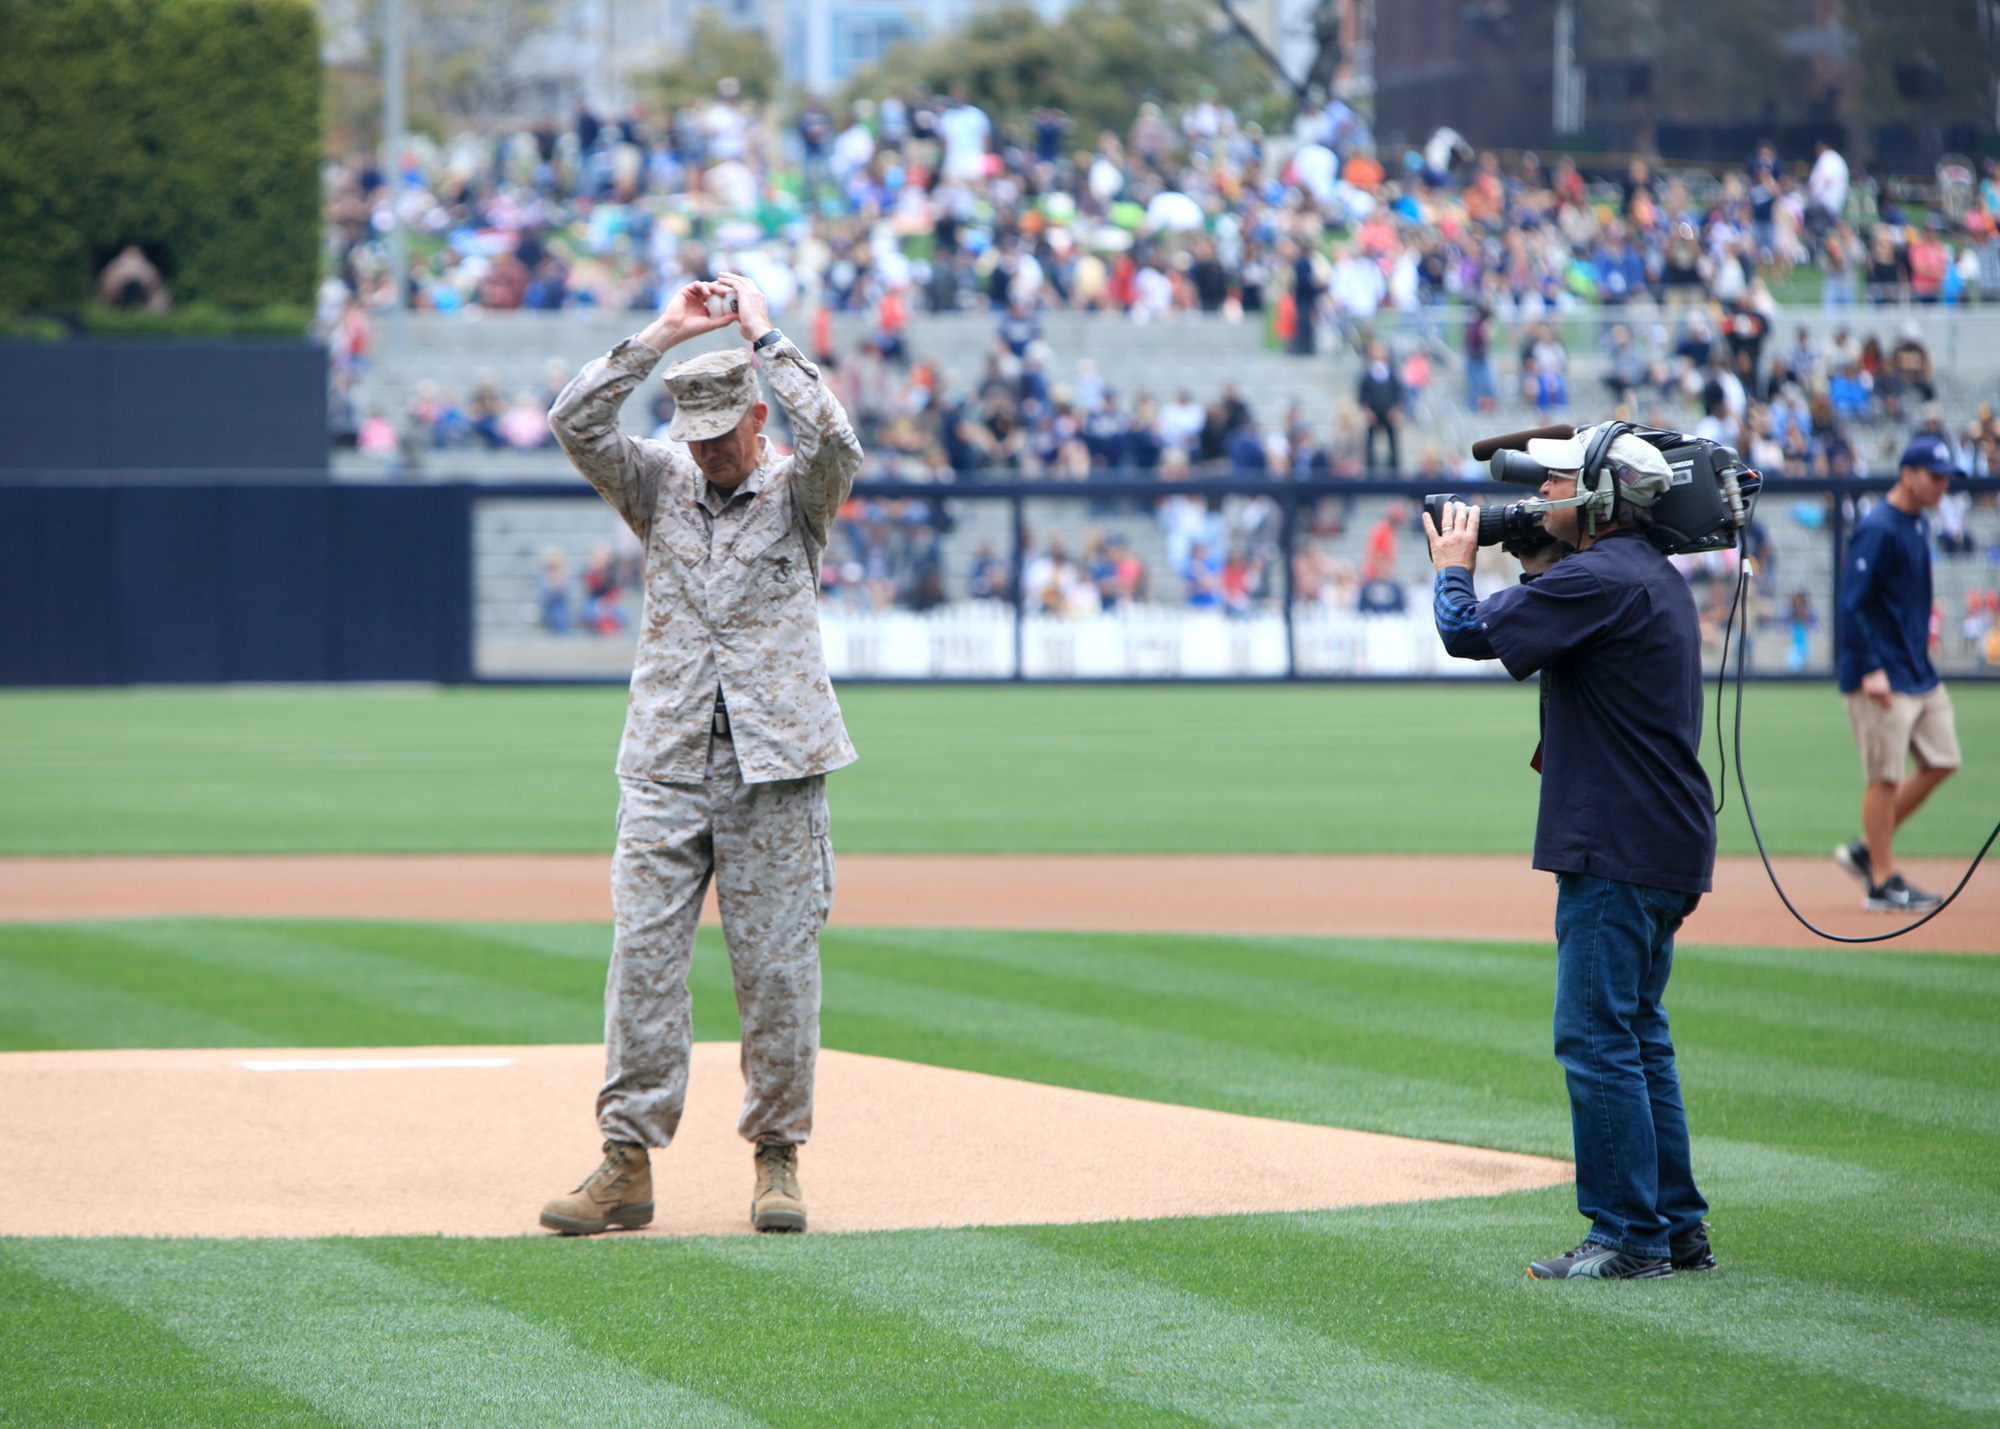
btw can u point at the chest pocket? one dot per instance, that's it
(681, 531)
(771, 552)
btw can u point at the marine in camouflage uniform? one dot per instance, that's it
(731, 731)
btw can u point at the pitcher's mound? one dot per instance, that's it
(471, 1140)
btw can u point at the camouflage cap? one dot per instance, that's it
(711, 393)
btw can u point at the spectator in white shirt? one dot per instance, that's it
(965, 129)
(1826, 186)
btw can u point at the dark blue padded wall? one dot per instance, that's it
(158, 583)
(163, 406)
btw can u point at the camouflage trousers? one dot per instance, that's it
(768, 850)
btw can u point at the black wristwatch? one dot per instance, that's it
(769, 339)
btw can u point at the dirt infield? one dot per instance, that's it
(378, 1141)
(1496, 898)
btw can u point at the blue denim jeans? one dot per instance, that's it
(1614, 951)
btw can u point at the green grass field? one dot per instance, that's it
(1847, 1109)
(1438, 769)
(1846, 1105)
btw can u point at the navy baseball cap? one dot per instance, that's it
(1932, 453)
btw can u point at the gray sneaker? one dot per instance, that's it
(1854, 858)
(1591, 1261)
(1893, 895)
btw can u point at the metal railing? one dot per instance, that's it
(908, 593)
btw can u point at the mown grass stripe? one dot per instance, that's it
(1517, 965)
(495, 992)
(1482, 972)
(129, 959)
(366, 1343)
(1147, 1342)
(1936, 1044)
(1842, 975)
(70, 1357)
(1883, 1340)
(1313, 769)
(1750, 1172)
(41, 1008)
(1441, 1284)
(786, 1343)
(1888, 1342)
(1903, 1099)
(1280, 999)
(1245, 990)
(585, 942)
(1114, 1055)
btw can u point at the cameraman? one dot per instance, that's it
(1625, 825)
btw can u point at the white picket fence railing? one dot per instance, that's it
(975, 640)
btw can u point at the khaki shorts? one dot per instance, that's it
(1913, 724)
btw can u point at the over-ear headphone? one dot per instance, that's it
(1596, 475)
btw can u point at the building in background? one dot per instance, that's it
(1895, 84)
(597, 51)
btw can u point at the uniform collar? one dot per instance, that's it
(713, 498)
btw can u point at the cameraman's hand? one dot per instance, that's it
(1458, 543)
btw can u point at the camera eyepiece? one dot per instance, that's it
(1517, 469)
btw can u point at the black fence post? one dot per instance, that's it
(1837, 524)
(1019, 507)
(1288, 530)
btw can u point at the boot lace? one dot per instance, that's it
(777, 1170)
(610, 1171)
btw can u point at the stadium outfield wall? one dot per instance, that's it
(141, 580)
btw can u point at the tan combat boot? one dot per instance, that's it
(778, 1204)
(617, 1193)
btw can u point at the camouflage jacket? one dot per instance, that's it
(732, 587)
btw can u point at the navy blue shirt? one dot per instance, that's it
(1885, 602)
(1613, 631)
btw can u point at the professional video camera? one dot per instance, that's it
(1707, 503)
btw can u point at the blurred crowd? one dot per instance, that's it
(1461, 281)
(1792, 404)
(925, 196)
(1485, 271)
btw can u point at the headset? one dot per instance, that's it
(1706, 503)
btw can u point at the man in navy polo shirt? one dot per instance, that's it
(1895, 699)
(1625, 825)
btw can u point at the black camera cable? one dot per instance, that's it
(1743, 788)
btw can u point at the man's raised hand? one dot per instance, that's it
(686, 315)
(751, 310)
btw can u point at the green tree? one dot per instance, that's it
(1098, 62)
(717, 50)
(188, 127)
